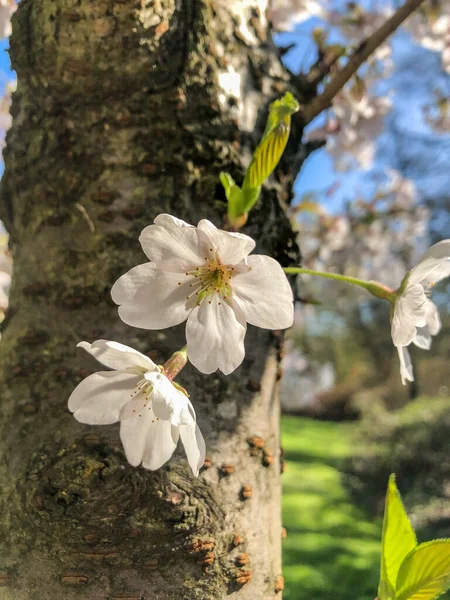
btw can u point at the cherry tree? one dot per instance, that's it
(125, 111)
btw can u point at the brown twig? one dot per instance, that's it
(323, 66)
(359, 56)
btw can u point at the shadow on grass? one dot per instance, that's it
(332, 548)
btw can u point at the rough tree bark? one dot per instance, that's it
(121, 114)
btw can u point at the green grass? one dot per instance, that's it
(333, 547)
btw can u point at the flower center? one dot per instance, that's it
(211, 278)
(145, 388)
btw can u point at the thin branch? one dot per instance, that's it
(359, 56)
(323, 66)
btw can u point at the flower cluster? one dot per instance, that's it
(201, 275)
(371, 238)
(284, 14)
(430, 27)
(357, 119)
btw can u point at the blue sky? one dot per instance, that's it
(5, 67)
(5, 75)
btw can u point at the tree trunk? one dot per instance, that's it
(121, 114)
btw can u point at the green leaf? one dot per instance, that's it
(273, 142)
(263, 162)
(397, 541)
(249, 198)
(425, 572)
(233, 194)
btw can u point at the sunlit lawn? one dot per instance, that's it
(332, 548)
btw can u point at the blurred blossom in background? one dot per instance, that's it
(371, 197)
(369, 201)
(7, 87)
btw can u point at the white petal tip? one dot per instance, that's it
(84, 345)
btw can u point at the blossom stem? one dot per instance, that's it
(176, 363)
(373, 287)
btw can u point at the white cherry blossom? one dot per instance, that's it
(416, 318)
(357, 23)
(5, 273)
(5, 282)
(153, 413)
(5, 115)
(358, 118)
(7, 8)
(205, 276)
(285, 14)
(403, 191)
(430, 27)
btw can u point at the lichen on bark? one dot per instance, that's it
(119, 116)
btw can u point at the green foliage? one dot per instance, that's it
(425, 572)
(332, 547)
(414, 443)
(409, 571)
(264, 161)
(233, 194)
(397, 540)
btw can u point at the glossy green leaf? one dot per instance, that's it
(425, 572)
(398, 539)
(249, 198)
(273, 142)
(264, 161)
(233, 194)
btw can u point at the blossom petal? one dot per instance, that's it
(409, 313)
(158, 304)
(402, 330)
(433, 266)
(193, 442)
(5, 279)
(146, 439)
(422, 339)
(232, 247)
(128, 284)
(194, 446)
(406, 370)
(161, 444)
(432, 317)
(264, 294)
(5, 264)
(99, 398)
(215, 334)
(169, 404)
(118, 356)
(172, 244)
(134, 433)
